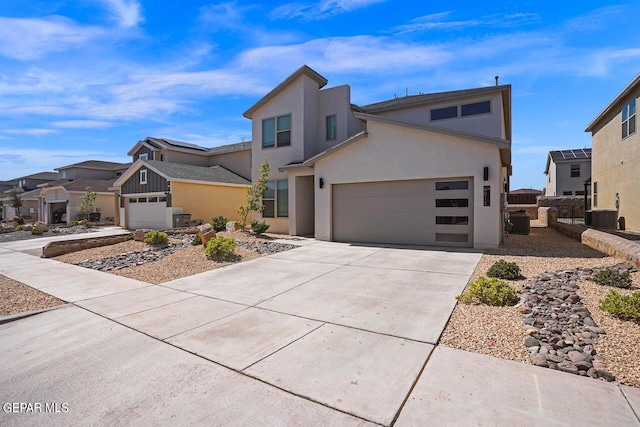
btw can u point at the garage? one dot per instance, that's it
(147, 212)
(411, 212)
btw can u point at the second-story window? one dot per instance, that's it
(575, 171)
(143, 176)
(143, 156)
(332, 124)
(629, 119)
(276, 131)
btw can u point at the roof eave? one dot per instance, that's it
(623, 94)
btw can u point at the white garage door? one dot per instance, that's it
(147, 212)
(415, 212)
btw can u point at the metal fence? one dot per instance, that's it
(570, 214)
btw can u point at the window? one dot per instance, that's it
(153, 199)
(452, 185)
(575, 171)
(475, 108)
(331, 127)
(143, 156)
(162, 199)
(276, 199)
(595, 194)
(142, 200)
(143, 176)
(579, 193)
(161, 157)
(276, 130)
(63, 175)
(133, 200)
(452, 220)
(567, 193)
(444, 113)
(452, 203)
(629, 119)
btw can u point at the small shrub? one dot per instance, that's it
(219, 223)
(220, 247)
(20, 221)
(75, 222)
(130, 236)
(19, 227)
(156, 237)
(490, 292)
(196, 240)
(259, 227)
(610, 277)
(36, 232)
(504, 270)
(627, 306)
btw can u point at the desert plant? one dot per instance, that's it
(19, 227)
(220, 247)
(502, 269)
(87, 201)
(75, 222)
(611, 277)
(15, 201)
(219, 223)
(36, 232)
(259, 227)
(196, 240)
(489, 291)
(254, 195)
(626, 306)
(156, 237)
(130, 236)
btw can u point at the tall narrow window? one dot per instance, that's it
(143, 176)
(268, 133)
(282, 198)
(575, 171)
(331, 127)
(269, 200)
(595, 194)
(629, 119)
(284, 131)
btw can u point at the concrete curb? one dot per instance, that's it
(25, 314)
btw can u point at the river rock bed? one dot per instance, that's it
(266, 247)
(561, 334)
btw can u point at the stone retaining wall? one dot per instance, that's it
(530, 210)
(607, 243)
(54, 249)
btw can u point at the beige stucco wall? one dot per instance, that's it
(105, 204)
(186, 158)
(615, 166)
(204, 201)
(238, 162)
(414, 154)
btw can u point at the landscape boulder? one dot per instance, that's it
(232, 226)
(41, 226)
(138, 236)
(206, 233)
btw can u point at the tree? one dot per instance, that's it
(87, 201)
(254, 195)
(15, 201)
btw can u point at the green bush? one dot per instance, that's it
(220, 247)
(259, 227)
(196, 240)
(130, 236)
(490, 292)
(36, 232)
(610, 277)
(19, 227)
(219, 223)
(156, 237)
(504, 270)
(622, 305)
(75, 222)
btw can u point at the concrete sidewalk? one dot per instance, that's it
(327, 334)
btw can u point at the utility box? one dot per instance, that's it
(604, 218)
(181, 220)
(521, 223)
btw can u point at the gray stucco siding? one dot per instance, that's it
(155, 183)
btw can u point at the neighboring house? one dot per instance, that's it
(30, 209)
(153, 193)
(92, 169)
(61, 200)
(27, 187)
(616, 156)
(523, 196)
(428, 169)
(567, 171)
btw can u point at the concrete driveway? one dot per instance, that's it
(326, 334)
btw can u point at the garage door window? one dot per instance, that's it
(452, 185)
(153, 200)
(133, 200)
(452, 220)
(142, 200)
(452, 203)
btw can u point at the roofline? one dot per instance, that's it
(230, 148)
(222, 184)
(311, 161)
(624, 93)
(421, 99)
(304, 70)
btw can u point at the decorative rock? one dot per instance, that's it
(531, 331)
(232, 226)
(531, 342)
(576, 356)
(206, 233)
(539, 359)
(138, 236)
(524, 309)
(567, 366)
(40, 226)
(606, 375)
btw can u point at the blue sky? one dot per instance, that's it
(87, 79)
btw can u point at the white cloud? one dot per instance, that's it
(31, 132)
(320, 10)
(128, 13)
(31, 38)
(82, 124)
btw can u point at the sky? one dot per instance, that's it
(87, 79)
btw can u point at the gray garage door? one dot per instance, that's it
(415, 212)
(147, 212)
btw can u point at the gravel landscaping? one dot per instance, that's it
(16, 297)
(140, 261)
(546, 256)
(12, 235)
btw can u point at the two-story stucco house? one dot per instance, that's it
(170, 180)
(615, 170)
(567, 171)
(427, 169)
